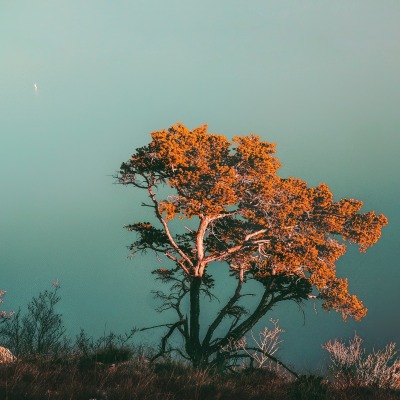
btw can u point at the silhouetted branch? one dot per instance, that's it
(164, 340)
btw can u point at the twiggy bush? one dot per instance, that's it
(108, 349)
(39, 332)
(4, 316)
(352, 366)
(259, 351)
(267, 343)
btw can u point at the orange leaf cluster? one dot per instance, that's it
(249, 217)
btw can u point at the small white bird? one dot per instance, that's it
(35, 86)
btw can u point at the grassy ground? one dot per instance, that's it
(85, 379)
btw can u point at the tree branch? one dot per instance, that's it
(199, 270)
(179, 262)
(234, 249)
(164, 340)
(271, 357)
(223, 312)
(166, 229)
(263, 306)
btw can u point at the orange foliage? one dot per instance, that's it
(249, 217)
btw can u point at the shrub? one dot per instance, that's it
(40, 332)
(352, 366)
(4, 316)
(108, 349)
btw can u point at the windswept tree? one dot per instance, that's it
(276, 231)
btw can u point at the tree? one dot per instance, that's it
(276, 231)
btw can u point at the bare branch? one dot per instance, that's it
(164, 340)
(271, 357)
(221, 315)
(266, 302)
(235, 249)
(178, 262)
(166, 229)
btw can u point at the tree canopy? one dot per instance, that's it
(277, 231)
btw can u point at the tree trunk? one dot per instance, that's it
(194, 348)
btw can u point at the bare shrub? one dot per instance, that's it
(260, 351)
(38, 332)
(4, 316)
(267, 343)
(352, 366)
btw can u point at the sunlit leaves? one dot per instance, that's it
(275, 230)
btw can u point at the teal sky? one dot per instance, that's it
(320, 79)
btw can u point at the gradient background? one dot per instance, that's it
(320, 79)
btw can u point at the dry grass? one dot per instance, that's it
(136, 379)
